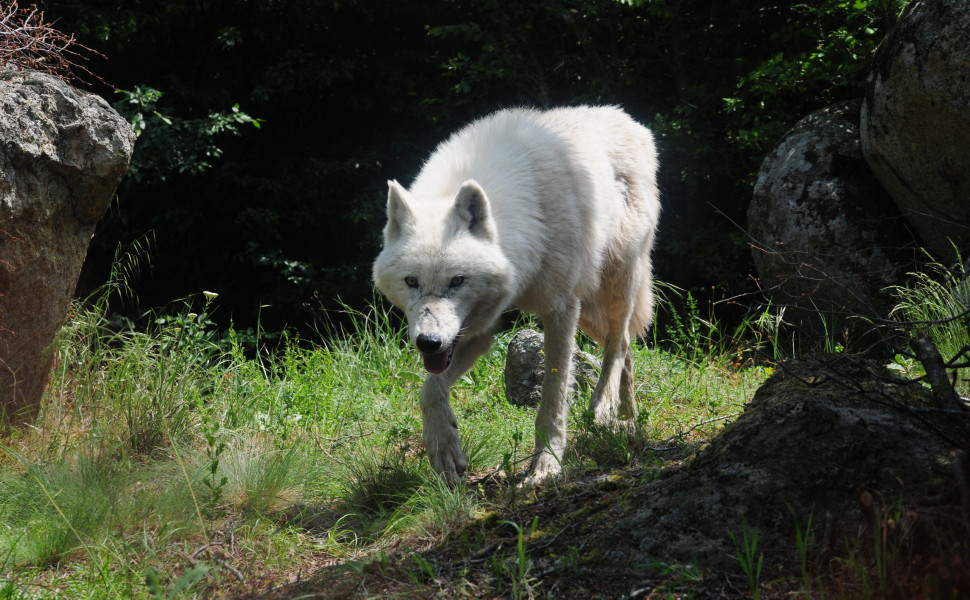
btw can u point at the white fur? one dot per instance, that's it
(552, 212)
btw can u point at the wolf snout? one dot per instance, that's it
(428, 343)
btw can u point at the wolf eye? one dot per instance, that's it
(456, 281)
(411, 282)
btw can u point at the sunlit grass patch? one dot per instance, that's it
(166, 448)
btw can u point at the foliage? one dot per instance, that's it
(170, 145)
(748, 557)
(153, 580)
(317, 459)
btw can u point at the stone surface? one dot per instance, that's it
(837, 438)
(62, 154)
(916, 120)
(525, 365)
(827, 238)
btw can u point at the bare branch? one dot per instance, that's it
(943, 393)
(27, 41)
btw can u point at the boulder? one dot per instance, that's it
(525, 366)
(827, 239)
(62, 154)
(838, 440)
(916, 120)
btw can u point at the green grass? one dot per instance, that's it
(166, 458)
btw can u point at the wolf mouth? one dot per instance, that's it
(437, 362)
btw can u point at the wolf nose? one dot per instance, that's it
(428, 343)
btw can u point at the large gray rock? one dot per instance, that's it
(525, 366)
(916, 120)
(62, 154)
(827, 237)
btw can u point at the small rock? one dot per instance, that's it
(525, 365)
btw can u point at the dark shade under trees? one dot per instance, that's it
(284, 218)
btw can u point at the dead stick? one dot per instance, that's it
(943, 394)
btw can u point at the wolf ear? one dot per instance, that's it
(472, 212)
(399, 215)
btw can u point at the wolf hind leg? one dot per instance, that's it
(640, 320)
(628, 403)
(612, 399)
(609, 322)
(439, 425)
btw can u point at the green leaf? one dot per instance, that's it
(187, 580)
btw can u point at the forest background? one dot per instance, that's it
(283, 218)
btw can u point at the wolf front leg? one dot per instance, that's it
(560, 331)
(441, 430)
(438, 420)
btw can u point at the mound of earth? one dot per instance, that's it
(837, 440)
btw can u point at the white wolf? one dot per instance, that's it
(552, 212)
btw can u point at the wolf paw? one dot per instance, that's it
(544, 467)
(628, 426)
(449, 464)
(613, 417)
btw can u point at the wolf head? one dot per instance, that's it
(442, 265)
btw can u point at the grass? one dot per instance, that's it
(937, 302)
(157, 445)
(170, 461)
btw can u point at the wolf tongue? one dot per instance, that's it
(435, 363)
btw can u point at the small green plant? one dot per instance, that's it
(766, 328)
(702, 340)
(156, 587)
(378, 484)
(610, 446)
(516, 570)
(686, 331)
(510, 458)
(802, 542)
(680, 575)
(213, 482)
(426, 571)
(511, 462)
(10, 591)
(748, 557)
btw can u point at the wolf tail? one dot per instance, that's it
(642, 316)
